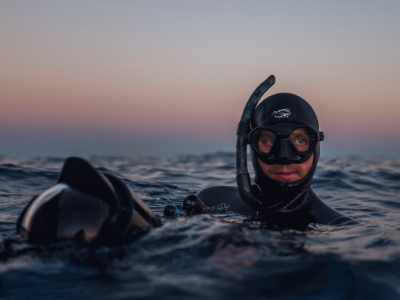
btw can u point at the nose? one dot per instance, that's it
(284, 146)
(286, 151)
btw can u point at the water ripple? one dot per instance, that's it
(211, 256)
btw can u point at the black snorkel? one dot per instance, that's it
(242, 173)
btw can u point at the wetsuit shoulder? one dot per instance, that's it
(216, 195)
(316, 210)
(324, 214)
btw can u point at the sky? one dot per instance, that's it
(161, 78)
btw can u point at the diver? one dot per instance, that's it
(284, 137)
(85, 205)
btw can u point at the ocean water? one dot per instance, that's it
(211, 256)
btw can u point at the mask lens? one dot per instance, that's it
(64, 212)
(301, 139)
(80, 215)
(263, 140)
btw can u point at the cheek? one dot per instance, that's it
(267, 169)
(305, 167)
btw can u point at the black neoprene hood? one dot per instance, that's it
(284, 107)
(276, 110)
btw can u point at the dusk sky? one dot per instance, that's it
(162, 78)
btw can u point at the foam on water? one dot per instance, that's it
(211, 256)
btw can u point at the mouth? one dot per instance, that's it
(285, 176)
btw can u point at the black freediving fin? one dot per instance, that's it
(81, 175)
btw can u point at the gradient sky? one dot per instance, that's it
(172, 77)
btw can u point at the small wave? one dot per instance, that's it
(189, 255)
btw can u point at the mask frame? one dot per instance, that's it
(283, 151)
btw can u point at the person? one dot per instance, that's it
(85, 205)
(284, 137)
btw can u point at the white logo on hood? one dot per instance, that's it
(282, 113)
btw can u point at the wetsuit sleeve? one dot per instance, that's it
(328, 216)
(216, 195)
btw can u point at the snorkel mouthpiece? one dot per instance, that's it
(242, 173)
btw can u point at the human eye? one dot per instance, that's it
(301, 138)
(271, 141)
(265, 141)
(268, 140)
(301, 142)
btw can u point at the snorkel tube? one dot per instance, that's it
(242, 173)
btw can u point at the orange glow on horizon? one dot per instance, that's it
(183, 70)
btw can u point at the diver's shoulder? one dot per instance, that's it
(325, 214)
(222, 194)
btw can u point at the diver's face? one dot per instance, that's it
(287, 173)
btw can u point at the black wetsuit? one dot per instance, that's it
(312, 210)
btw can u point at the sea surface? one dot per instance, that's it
(211, 256)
